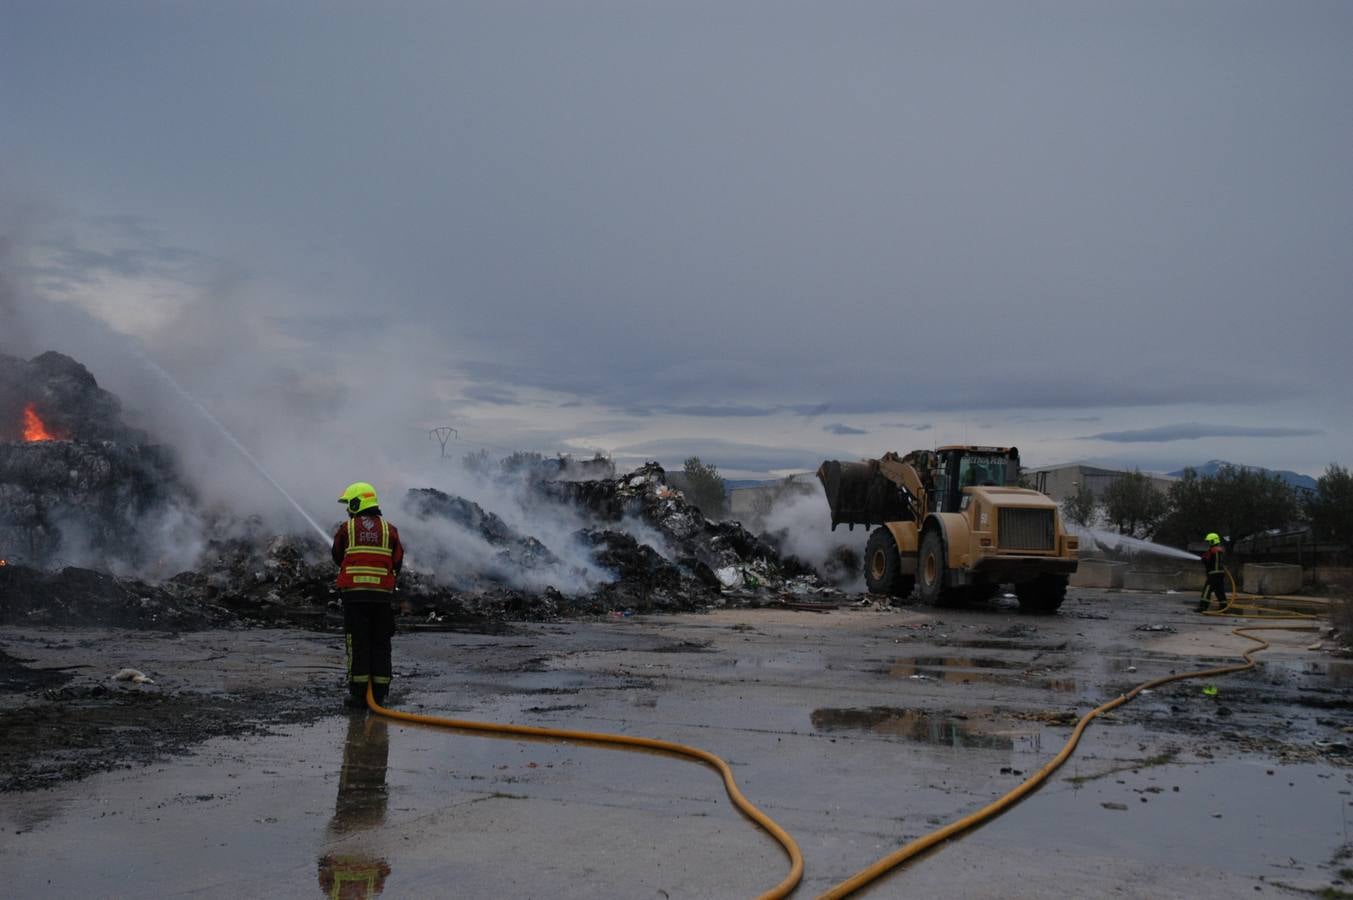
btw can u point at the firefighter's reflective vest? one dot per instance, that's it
(368, 563)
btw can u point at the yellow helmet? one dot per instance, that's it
(358, 497)
(1213, 538)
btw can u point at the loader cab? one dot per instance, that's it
(962, 467)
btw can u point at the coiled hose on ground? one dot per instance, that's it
(920, 845)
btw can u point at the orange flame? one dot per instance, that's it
(33, 429)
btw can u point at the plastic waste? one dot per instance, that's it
(132, 675)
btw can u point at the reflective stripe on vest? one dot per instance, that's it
(367, 567)
(1216, 562)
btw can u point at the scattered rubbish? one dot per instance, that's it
(729, 576)
(1132, 668)
(1120, 807)
(1167, 628)
(132, 675)
(1210, 690)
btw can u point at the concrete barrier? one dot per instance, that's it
(1270, 578)
(1152, 581)
(1192, 579)
(1099, 573)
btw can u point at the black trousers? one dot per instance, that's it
(1216, 585)
(367, 627)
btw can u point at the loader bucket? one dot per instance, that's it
(859, 494)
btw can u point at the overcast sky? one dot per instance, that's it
(764, 233)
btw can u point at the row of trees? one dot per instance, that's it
(1235, 502)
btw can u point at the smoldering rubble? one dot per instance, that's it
(88, 506)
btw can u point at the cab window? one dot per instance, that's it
(981, 470)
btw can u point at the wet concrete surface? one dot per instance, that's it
(236, 773)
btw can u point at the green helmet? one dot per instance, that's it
(1213, 538)
(358, 497)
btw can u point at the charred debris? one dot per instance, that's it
(84, 500)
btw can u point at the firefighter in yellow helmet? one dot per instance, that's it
(369, 555)
(1216, 574)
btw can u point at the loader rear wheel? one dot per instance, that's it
(1043, 595)
(883, 566)
(931, 574)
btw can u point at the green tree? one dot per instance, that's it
(521, 461)
(1081, 506)
(1331, 508)
(704, 487)
(477, 462)
(1133, 504)
(1235, 502)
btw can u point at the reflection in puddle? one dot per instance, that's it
(914, 724)
(964, 670)
(360, 806)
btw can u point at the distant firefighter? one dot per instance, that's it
(369, 556)
(1216, 574)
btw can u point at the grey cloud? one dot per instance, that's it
(488, 393)
(719, 411)
(136, 251)
(725, 454)
(1043, 419)
(1011, 243)
(1190, 432)
(839, 428)
(913, 426)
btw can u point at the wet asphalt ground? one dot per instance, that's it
(238, 774)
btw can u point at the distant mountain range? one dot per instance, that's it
(1295, 479)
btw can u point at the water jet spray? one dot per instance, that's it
(1122, 543)
(225, 432)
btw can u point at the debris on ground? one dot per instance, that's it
(135, 676)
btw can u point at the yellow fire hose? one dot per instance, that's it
(749, 810)
(1238, 601)
(991, 810)
(921, 844)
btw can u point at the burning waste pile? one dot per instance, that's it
(84, 500)
(76, 485)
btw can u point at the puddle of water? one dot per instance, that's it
(918, 725)
(961, 670)
(353, 806)
(1231, 815)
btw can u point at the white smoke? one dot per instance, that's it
(802, 522)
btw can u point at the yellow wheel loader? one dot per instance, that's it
(954, 525)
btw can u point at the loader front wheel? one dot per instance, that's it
(930, 570)
(883, 566)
